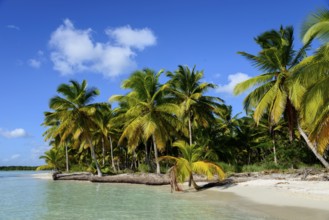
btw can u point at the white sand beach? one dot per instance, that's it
(307, 194)
(47, 175)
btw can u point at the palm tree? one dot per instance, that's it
(51, 134)
(310, 80)
(190, 162)
(149, 115)
(77, 116)
(188, 91)
(53, 158)
(276, 58)
(228, 124)
(268, 132)
(106, 132)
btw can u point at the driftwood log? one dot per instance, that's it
(147, 179)
(83, 176)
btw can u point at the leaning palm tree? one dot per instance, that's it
(188, 91)
(276, 58)
(149, 114)
(76, 115)
(190, 162)
(311, 78)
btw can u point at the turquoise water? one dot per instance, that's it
(25, 197)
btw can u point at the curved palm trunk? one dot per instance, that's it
(156, 155)
(93, 155)
(66, 158)
(194, 183)
(173, 179)
(311, 146)
(112, 160)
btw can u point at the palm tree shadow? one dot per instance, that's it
(227, 183)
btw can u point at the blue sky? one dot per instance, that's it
(46, 43)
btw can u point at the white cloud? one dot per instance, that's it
(11, 26)
(16, 133)
(129, 37)
(233, 80)
(34, 63)
(74, 50)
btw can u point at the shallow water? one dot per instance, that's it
(25, 197)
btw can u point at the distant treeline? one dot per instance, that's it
(18, 167)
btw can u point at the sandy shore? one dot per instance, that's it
(307, 194)
(47, 176)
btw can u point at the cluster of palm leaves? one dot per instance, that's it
(293, 85)
(179, 124)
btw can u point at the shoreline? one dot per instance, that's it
(275, 189)
(269, 196)
(304, 194)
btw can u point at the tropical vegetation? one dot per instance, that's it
(169, 117)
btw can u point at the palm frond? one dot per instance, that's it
(257, 80)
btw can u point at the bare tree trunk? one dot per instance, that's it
(274, 147)
(274, 153)
(173, 179)
(292, 115)
(190, 127)
(112, 159)
(93, 155)
(103, 151)
(133, 161)
(66, 158)
(156, 155)
(310, 145)
(190, 179)
(147, 161)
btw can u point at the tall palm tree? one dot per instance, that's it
(78, 117)
(312, 80)
(190, 162)
(188, 91)
(107, 131)
(149, 115)
(276, 59)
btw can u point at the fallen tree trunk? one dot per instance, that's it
(147, 179)
(72, 176)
